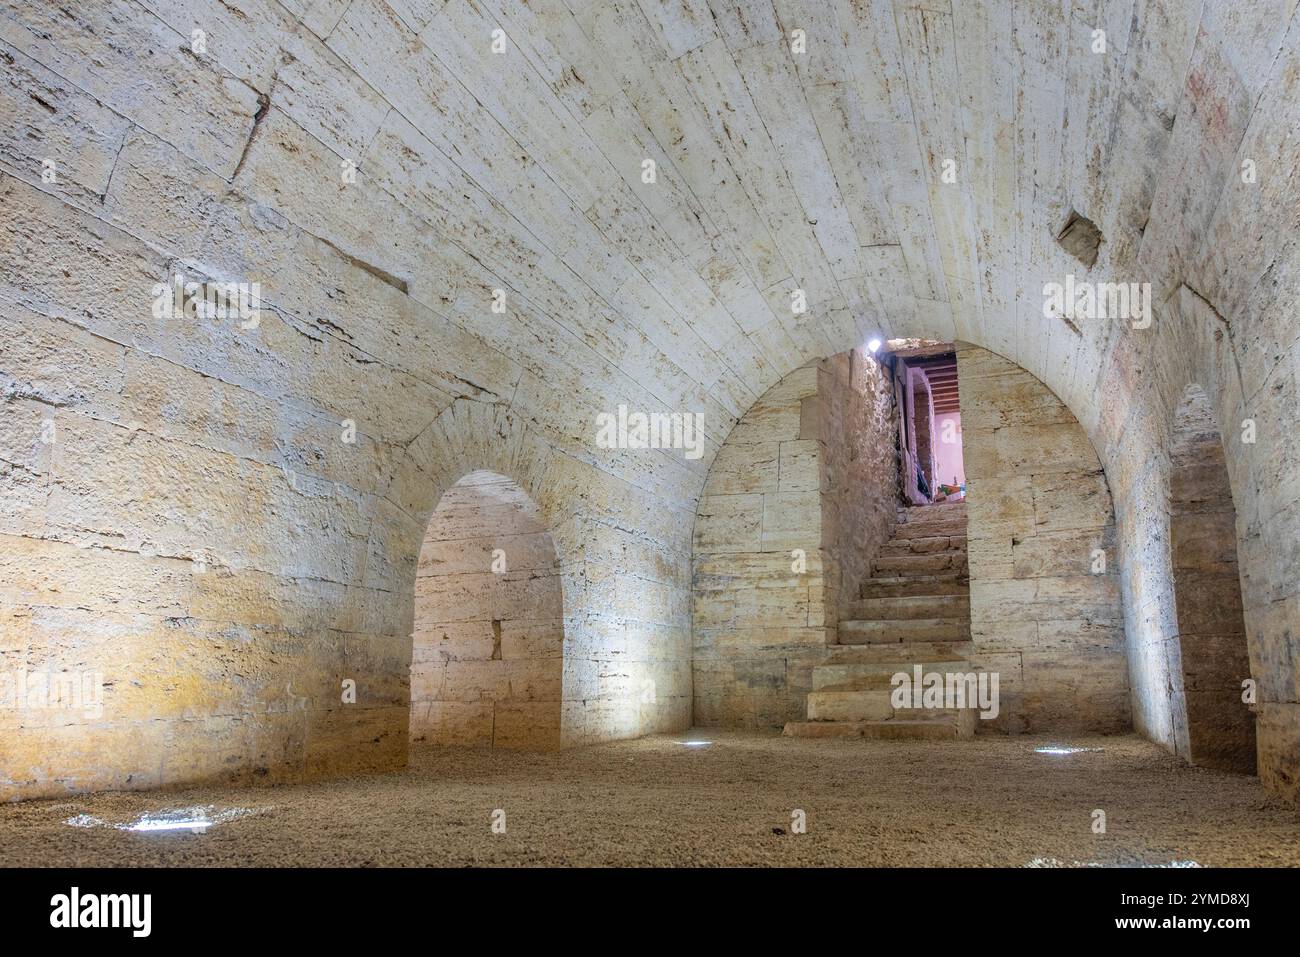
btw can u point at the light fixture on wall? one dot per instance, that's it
(874, 345)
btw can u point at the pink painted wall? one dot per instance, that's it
(947, 455)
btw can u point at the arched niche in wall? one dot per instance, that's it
(488, 635)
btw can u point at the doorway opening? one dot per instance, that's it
(931, 467)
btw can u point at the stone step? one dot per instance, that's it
(871, 704)
(919, 564)
(944, 726)
(928, 529)
(959, 716)
(950, 582)
(874, 704)
(947, 728)
(924, 545)
(876, 675)
(856, 632)
(945, 511)
(909, 606)
(823, 729)
(906, 654)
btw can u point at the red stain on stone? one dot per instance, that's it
(1211, 107)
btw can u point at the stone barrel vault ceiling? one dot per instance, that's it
(182, 508)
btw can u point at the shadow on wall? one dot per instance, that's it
(488, 637)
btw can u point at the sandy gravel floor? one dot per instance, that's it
(657, 801)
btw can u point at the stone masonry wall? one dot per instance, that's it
(181, 513)
(1039, 508)
(488, 655)
(223, 520)
(759, 625)
(811, 468)
(1207, 594)
(859, 449)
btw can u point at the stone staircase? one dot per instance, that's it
(913, 610)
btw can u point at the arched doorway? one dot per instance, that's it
(1207, 591)
(488, 636)
(816, 569)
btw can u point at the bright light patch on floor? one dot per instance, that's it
(195, 820)
(1054, 862)
(1056, 749)
(147, 823)
(696, 744)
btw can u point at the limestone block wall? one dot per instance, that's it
(488, 642)
(222, 521)
(1216, 245)
(797, 502)
(1207, 593)
(194, 522)
(859, 460)
(1045, 611)
(1193, 346)
(759, 624)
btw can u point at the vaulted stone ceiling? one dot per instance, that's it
(907, 165)
(822, 171)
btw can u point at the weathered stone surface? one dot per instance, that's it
(488, 660)
(859, 471)
(1043, 578)
(1216, 666)
(200, 442)
(789, 510)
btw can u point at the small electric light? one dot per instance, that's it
(874, 345)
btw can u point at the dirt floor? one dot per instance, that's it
(662, 801)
